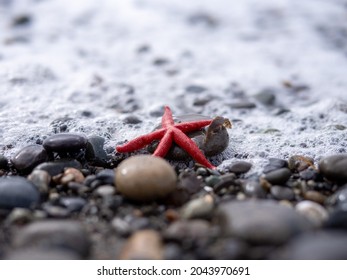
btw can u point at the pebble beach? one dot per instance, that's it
(79, 78)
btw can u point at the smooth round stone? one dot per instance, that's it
(334, 168)
(240, 167)
(319, 245)
(299, 163)
(3, 162)
(278, 177)
(95, 153)
(29, 157)
(143, 245)
(253, 188)
(313, 211)
(315, 196)
(145, 178)
(73, 204)
(65, 142)
(260, 222)
(274, 164)
(106, 176)
(199, 208)
(339, 199)
(17, 192)
(54, 235)
(282, 193)
(57, 167)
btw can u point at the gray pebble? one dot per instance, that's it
(41, 180)
(17, 192)
(282, 193)
(199, 208)
(260, 222)
(278, 177)
(313, 211)
(57, 167)
(65, 142)
(334, 168)
(240, 167)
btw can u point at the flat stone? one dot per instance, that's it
(65, 142)
(143, 245)
(29, 157)
(334, 168)
(320, 245)
(54, 235)
(240, 167)
(17, 192)
(145, 178)
(57, 167)
(95, 153)
(278, 177)
(260, 222)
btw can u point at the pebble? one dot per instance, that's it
(3, 162)
(337, 220)
(143, 245)
(242, 105)
(105, 191)
(189, 182)
(17, 192)
(339, 199)
(315, 196)
(278, 177)
(199, 208)
(106, 176)
(73, 204)
(334, 168)
(57, 167)
(266, 97)
(253, 188)
(72, 175)
(320, 245)
(299, 163)
(54, 235)
(274, 164)
(95, 153)
(121, 226)
(260, 222)
(313, 211)
(29, 157)
(195, 89)
(187, 229)
(41, 180)
(240, 167)
(65, 142)
(282, 193)
(19, 216)
(145, 178)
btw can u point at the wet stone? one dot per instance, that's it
(260, 222)
(199, 208)
(339, 199)
(334, 168)
(57, 167)
(282, 193)
(145, 178)
(95, 153)
(65, 142)
(17, 192)
(73, 204)
(29, 157)
(105, 191)
(106, 176)
(143, 245)
(274, 164)
(240, 167)
(278, 177)
(41, 180)
(320, 245)
(309, 174)
(299, 163)
(3, 162)
(313, 211)
(54, 234)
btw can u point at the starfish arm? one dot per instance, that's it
(191, 148)
(141, 141)
(191, 126)
(167, 119)
(164, 145)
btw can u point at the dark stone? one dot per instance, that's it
(54, 235)
(260, 222)
(282, 193)
(299, 163)
(56, 167)
(21, 20)
(337, 220)
(17, 192)
(229, 249)
(29, 157)
(106, 176)
(253, 188)
(65, 142)
(73, 204)
(309, 174)
(240, 167)
(132, 120)
(278, 177)
(189, 182)
(274, 164)
(319, 245)
(195, 89)
(95, 153)
(242, 105)
(339, 199)
(334, 168)
(267, 97)
(3, 162)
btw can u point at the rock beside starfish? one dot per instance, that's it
(174, 132)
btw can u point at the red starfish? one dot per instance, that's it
(168, 133)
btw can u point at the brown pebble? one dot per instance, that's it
(72, 174)
(315, 196)
(300, 163)
(145, 178)
(143, 245)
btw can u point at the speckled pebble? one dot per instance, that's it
(145, 178)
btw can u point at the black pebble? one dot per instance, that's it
(65, 142)
(3, 162)
(240, 167)
(279, 176)
(29, 157)
(95, 153)
(57, 167)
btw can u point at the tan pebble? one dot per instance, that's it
(315, 196)
(143, 245)
(145, 178)
(77, 175)
(198, 208)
